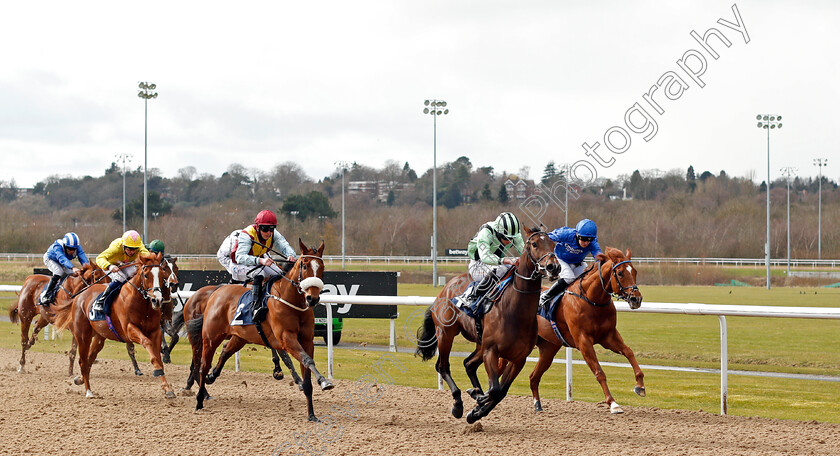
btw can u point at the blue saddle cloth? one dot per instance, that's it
(547, 312)
(93, 314)
(472, 310)
(244, 314)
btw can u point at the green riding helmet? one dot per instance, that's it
(156, 246)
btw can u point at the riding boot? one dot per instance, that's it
(558, 287)
(259, 309)
(478, 291)
(103, 303)
(49, 293)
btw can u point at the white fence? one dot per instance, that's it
(407, 259)
(719, 310)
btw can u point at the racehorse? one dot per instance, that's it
(586, 316)
(510, 328)
(290, 324)
(26, 308)
(135, 316)
(193, 308)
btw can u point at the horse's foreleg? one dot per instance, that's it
(164, 349)
(25, 323)
(95, 346)
(615, 343)
(278, 372)
(72, 355)
(287, 360)
(486, 401)
(588, 352)
(152, 345)
(208, 348)
(129, 347)
(303, 351)
(471, 364)
(547, 352)
(167, 350)
(232, 346)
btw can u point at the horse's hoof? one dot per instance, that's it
(639, 391)
(138, 372)
(615, 409)
(325, 384)
(278, 375)
(170, 395)
(91, 395)
(209, 379)
(475, 393)
(166, 359)
(21, 369)
(458, 410)
(186, 392)
(471, 418)
(538, 406)
(78, 380)
(314, 419)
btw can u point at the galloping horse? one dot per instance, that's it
(135, 316)
(510, 328)
(193, 308)
(26, 308)
(290, 324)
(586, 316)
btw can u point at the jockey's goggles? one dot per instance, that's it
(586, 238)
(267, 228)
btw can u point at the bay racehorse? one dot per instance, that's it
(289, 325)
(585, 315)
(510, 328)
(26, 309)
(134, 314)
(193, 308)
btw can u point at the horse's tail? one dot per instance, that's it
(426, 337)
(63, 314)
(194, 330)
(13, 313)
(177, 322)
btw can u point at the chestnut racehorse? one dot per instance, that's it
(26, 308)
(586, 316)
(135, 314)
(510, 328)
(289, 325)
(193, 308)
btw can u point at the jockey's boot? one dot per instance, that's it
(103, 303)
(256, 294)
(49, 293)
(478, 291)
(558, 287)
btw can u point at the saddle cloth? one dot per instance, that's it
(244, 314)
(485, 300)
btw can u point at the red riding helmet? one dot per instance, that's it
(265, 217)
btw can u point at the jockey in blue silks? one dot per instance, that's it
(57, 260)
(573, 245)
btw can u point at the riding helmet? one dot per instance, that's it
(132, 239)
(265, 217)
(586, 228)
(71, 241)
(506, 224)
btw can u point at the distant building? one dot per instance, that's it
(378, 188)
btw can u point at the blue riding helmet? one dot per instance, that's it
(587, 230)
(71, 241)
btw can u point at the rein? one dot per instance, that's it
(621, 294)
(539, 270)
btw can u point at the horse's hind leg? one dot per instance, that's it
(129, 347)
(445, 336)
(25, 323)
(232, 346)
(547, 352)
(166, 350)
(72, 355)
(41, 324)
(615, 343)
(471, 364)
(278, 372)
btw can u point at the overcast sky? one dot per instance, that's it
(264, 82)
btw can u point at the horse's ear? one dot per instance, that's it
(601, 257)
(321, 248)
(527, 231)
(304, 250)
(627, 254)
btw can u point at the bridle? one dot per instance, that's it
(155, 290)
(622, 292)
(301, 283)
(539, 270)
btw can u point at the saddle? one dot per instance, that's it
(548, 311)
(484, 302)
(244, 314)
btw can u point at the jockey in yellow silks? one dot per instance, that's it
(116, 261)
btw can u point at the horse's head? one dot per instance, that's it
(539, 251)
(171, 277)
(623, 277)
(310, 273)
(154, 274)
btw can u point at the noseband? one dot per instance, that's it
(144, 291)
(623, 292)
(539, 270)
(301, 284)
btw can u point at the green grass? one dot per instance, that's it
(764, 344)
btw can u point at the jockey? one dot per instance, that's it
(244, 254)
(573, 244)
(486, 251)
(122, 251)
(156, 246)
(57, 259)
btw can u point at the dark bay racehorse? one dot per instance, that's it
(586, 316)
(289, 326)
(26, 308)
(510, 328)
(135, 314)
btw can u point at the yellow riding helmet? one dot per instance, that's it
(132, 239)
